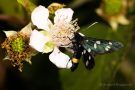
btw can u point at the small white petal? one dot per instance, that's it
(39, 17)
(6, 58)
(27, 29)
(38, 40)
(60, 59)
(28, 60)
(113, 24)
(64, 14)
(10, 33)
(122, 20)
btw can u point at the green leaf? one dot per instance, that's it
(11, 9)
(27, 4)
(20, 1)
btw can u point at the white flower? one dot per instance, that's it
(54, 35)
(17, 46)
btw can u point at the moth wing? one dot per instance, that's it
(100, 46)
(88, 60)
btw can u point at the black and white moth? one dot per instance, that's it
(88, 47)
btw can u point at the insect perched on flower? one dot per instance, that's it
(53, 35)
(89, 47)
(49, 36)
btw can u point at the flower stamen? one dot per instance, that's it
(18, 49)
(62, 32)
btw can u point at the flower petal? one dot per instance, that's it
(28, 60)
(60, 59)
(6, 58)
(64, 14)
(27, 29)
(10, 33)
(122, 20)
(113, 24)
(38, 40)
(39, 17)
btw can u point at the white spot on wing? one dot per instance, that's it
(84, 51)
(107, 48)
(82, 34)
(98, 42)
(95, 45)
(110, 43)
(89, 50)
(89, 57)
(87, 63)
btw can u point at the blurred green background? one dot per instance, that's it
(114, 71)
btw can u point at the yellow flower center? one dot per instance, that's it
(18, 45)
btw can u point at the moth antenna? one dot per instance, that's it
(92, 25)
